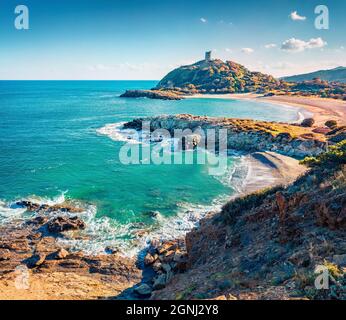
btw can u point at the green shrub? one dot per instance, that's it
(308, 122)
(335, 156)
(331, 124)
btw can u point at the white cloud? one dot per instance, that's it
(297, 45)
(270, 45)
(296, 17)
(204, 20)
(228, 50)
(247, 50)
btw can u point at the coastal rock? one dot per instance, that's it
(190, 142)
(39, 220)
(112, 250)
(61, 224)
(149, 259)
(143, 290)
(152, 94)
(243, 134)
(5, 254)
(36, 260)
(180, 259)
(157, 265)
(166, 267)
(159, 282)
(30, 206)
(308, 122)
(35, 207)
(61, 253)
(153, 214)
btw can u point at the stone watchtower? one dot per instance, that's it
(208, 56)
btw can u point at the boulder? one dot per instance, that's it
(36, 207)
(159, 282)
(61, 253)
(61, 224)
(157, 265)
(152, 214)
(5, 254)
(36, 260)
(180, 261)
(30, 206)
(308, 122)
(149, 259)
(143, 290)
(166, 267)
(39, 220)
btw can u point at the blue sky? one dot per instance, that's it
(144, 39)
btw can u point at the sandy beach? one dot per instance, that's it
(323, 109)
(269, 169)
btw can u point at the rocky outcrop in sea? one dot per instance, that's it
(242, 134)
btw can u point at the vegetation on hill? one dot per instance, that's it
(216, 76)
(318, 87)
(332, 75)
(334, 157)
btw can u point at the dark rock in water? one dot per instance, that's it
(35, 207)
(39, 221)
(61, 224)
(152, 94)
(30, 206)
(111, 250)
(143, 290)
(152, 214)
(64, 208)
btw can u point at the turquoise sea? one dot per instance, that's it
(51, 150)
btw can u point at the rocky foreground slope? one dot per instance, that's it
(35, 265)
(273, 244)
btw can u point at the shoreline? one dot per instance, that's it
(323, 109)
(270, 169)
(55, 278)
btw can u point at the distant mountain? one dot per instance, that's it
(217, 76)
(338, 75)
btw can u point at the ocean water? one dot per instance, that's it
(54, 146)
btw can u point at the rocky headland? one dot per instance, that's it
(214, 76)
(243, 134)
(153, 94)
